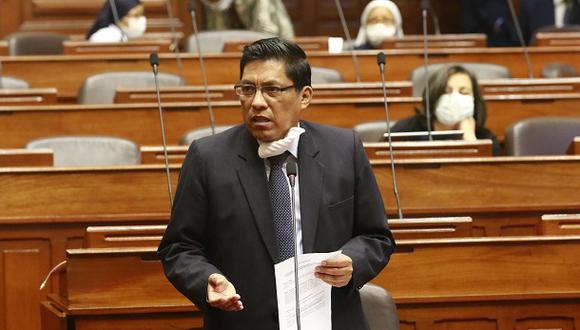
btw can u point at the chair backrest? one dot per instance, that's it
(89, 150)
(372, 131)
(379, 308)
(322, 75)
(36, 43)
(101, 88)
(213, 41)
(541, 136)
(12, 83)
(480, 70)
(559, 70)
(201, 132)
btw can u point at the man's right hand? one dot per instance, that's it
(222, 294)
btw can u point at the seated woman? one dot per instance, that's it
(380, 19)
(132, 23)
(456, 103)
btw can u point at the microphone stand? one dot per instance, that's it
(381, 62)
(349, 39)
(191, 8)
(291, 171)
(425, 5)
(175, 40)
(521, 39)
(154, 60)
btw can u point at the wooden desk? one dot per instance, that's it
(557, 39)
(504, 195)
(486, 283)
(118, 288)
(22, 124)
(574, 148)
(72, 70)
(429, 149)
(505, 87)
(3, 48)
(32, 246)
(26, 157)
(561, 224)
(421, 228)
(117, 48)
(33, 96)
(415, 41)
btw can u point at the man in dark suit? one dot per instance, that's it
(535, 14)
(491, 17)
(224, 237)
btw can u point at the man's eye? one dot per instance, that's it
(248, 89)
(272, 89)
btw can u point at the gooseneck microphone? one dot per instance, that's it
(381, 63)
(521, 39)
(191, 8)
(424, 10)
(292, 172)
(154, 61)
(348, 39)
(175, 40)
(427, 5)
(117, 19)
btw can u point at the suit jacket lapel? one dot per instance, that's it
(311, 176)
(252, 176)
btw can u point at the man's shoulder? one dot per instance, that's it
(224, 140)
(327, 132)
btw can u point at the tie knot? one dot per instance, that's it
(278, 160)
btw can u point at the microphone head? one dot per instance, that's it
(425, 5)
(381, 58)
(191, 6)
(291, 168)
(154, 59)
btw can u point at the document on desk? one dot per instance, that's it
(315, 295)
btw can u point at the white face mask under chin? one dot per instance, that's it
(453, 108)
(378, 32)
(136, 27)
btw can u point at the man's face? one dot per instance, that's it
(270, 113)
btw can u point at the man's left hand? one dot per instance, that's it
(336, 271)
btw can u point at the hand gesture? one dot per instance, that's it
(336, 271)
(221, 294)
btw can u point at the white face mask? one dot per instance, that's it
(378, 32)
(454, 107)
(136, 27)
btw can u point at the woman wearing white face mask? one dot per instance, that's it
(132, 23)
(380, 19)
(456, 104)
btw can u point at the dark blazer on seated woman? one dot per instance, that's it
(456, 103)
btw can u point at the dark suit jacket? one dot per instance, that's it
(535, 14)
(222, 223)
(491, 17)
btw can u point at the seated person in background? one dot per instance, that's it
(132, 23)
(535, 14)
(380, 19)
(268, 16)
(491, 17)
(456, 103)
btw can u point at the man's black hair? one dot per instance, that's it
(297, 67)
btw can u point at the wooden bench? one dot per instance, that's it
(118, 48)
(33, 96)
(22, 124)
(500, 283)
(574, 148)
(561, 224)
(26, 157)
(222, 68)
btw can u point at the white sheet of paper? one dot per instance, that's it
(315, 295)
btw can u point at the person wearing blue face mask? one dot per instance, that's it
(380, 19)
(456, 104)
(132, 22)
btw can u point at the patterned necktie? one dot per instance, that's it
(281, 206)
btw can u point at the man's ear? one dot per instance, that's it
(306, 96)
